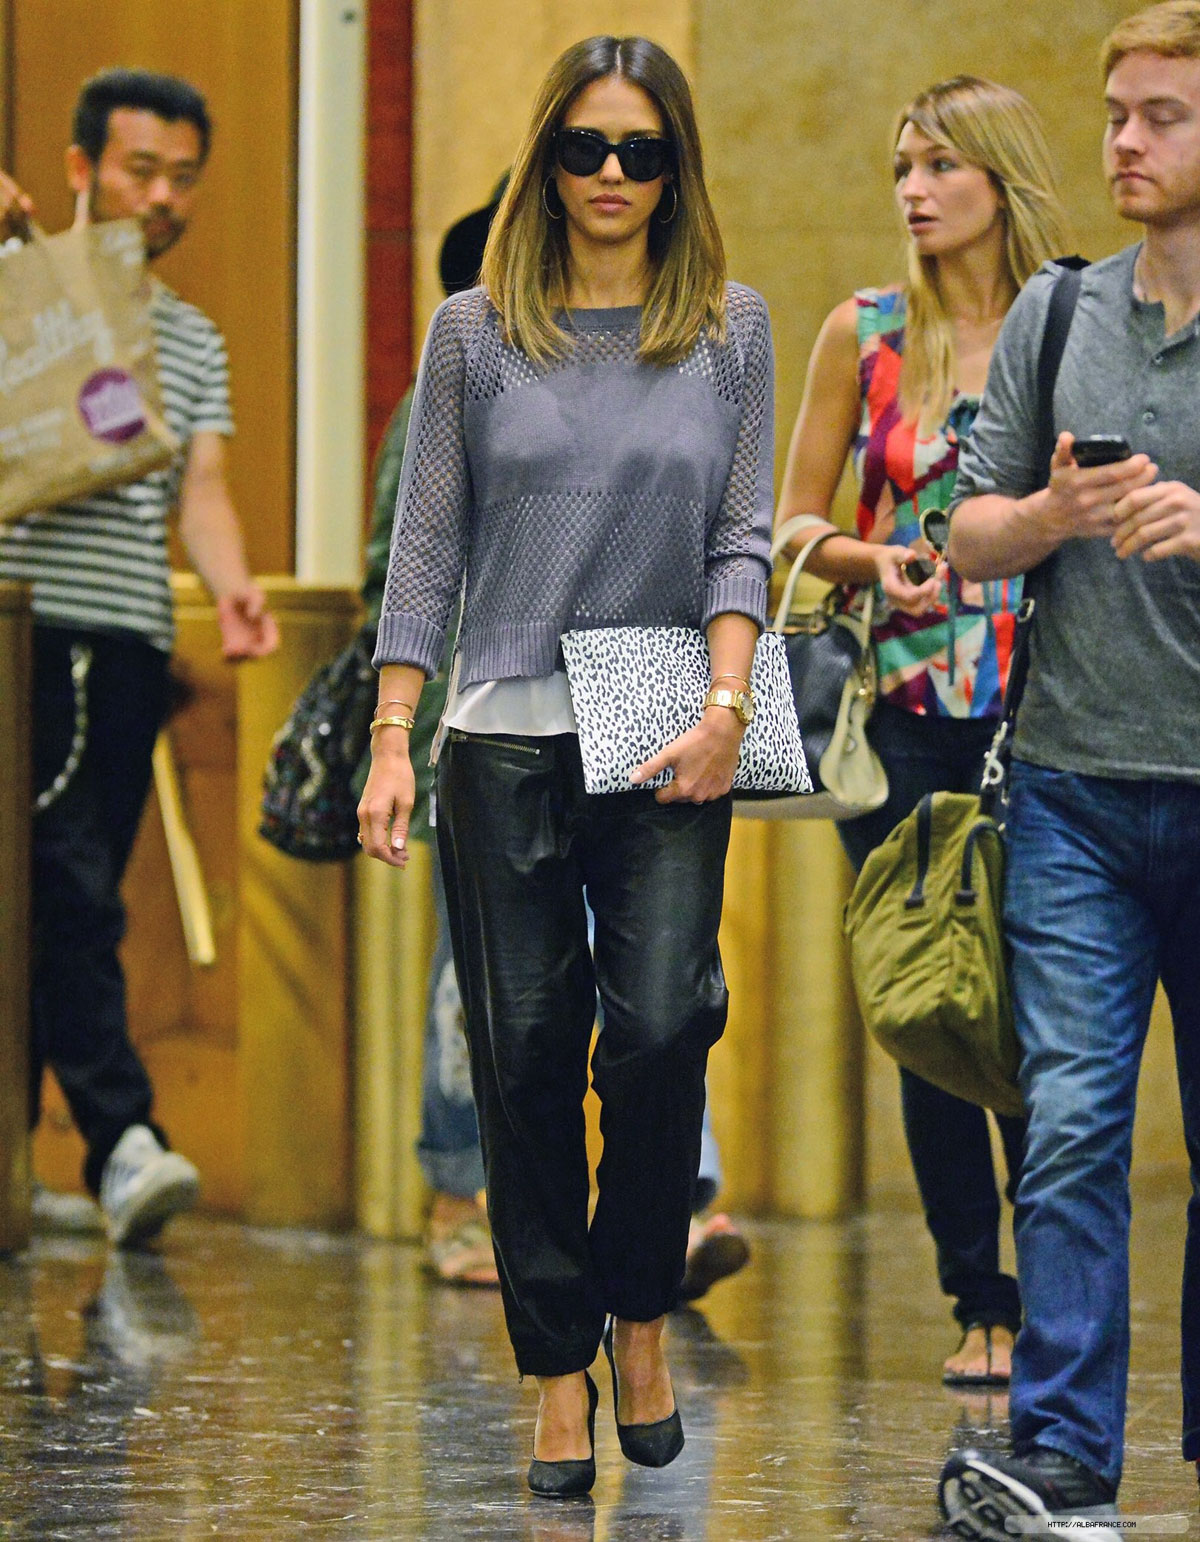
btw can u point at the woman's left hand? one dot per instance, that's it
(703, 760)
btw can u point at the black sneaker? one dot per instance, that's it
(985, 1495)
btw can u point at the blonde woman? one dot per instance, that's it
(894, 381)
(590, 445)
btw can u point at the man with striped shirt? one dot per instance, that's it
(103, 631)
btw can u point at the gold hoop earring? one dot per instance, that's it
(674, 205)
(549, 182)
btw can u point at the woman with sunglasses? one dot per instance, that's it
(894, 382)
(591, 445)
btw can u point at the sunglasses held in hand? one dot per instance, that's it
(935, 527)
(582, 152)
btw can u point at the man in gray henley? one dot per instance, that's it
(1103, 884)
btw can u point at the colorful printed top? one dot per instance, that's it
(953, 661)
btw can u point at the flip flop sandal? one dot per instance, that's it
(720, 1253)
(988, 1378)
(461, 1256)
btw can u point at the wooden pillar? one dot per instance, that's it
(393, 941)
(288, 941)
(293, 950)
(817, 1114)
(15, 800)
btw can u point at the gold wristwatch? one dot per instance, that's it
(741, 703)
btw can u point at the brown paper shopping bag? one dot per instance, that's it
(79, 401)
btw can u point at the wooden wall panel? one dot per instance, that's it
(237, 260)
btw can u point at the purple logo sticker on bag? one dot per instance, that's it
(111, 406)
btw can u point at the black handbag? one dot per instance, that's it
(831, 661)
(310, 802)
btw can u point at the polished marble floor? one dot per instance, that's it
(244, 1383)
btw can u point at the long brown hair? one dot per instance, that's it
(994, 128)
(525, 262)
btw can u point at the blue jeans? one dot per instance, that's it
(947, 1137)
(448, 1149)
(1102, 899)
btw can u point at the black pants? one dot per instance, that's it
(947, 1137)
(520, 842)
(81, 844)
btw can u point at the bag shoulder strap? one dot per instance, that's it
(790, 528)
(1059, 314)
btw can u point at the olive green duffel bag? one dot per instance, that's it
(927, 951)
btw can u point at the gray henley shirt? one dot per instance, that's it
(1114, 680)
(598, 491)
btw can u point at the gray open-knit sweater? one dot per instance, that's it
(596, 491)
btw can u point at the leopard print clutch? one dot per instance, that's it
(635, 689)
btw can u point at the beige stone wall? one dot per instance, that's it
(477, 67)
(795, 99)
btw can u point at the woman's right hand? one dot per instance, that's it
(899, 590)
(16, 209)
(387, 801)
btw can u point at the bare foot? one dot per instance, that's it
(643, 1381)
(458, 1242)
(984, 1354)
(561, 1432)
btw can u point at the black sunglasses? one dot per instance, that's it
(582, 152)
(935, 527)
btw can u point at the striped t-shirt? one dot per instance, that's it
(100, 562)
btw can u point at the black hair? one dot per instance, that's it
(164, 95)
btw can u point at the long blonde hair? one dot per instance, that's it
(996, 129)
(525, 260)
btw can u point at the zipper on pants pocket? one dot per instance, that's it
(458, 736)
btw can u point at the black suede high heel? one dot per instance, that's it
(650, 1445)
(565, 1479)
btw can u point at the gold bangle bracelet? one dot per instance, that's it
(394, 701)
(391, 722)
(738, 678)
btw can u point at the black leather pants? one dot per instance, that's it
(520, 843)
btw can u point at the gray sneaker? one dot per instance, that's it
(143, 1186)
(55, 1214)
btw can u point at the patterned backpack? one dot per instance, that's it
(310, 797)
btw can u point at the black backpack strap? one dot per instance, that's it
(1063, 298)
(1059, 315)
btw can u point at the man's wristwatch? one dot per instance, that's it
(741, 703)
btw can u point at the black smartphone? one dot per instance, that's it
(1101, 450)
